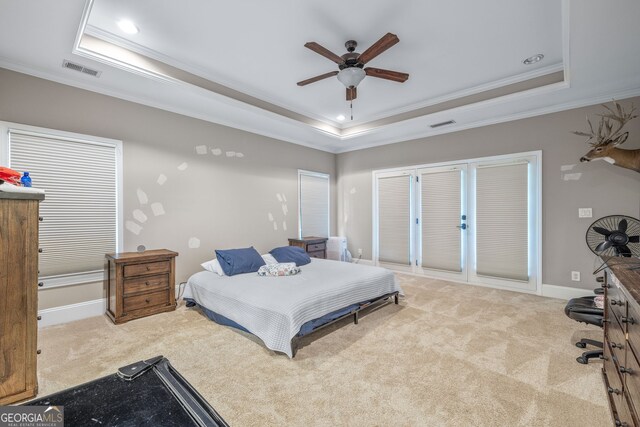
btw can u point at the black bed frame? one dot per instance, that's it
(295, 341)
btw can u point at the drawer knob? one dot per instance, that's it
(628, 320)
(148, 268)
(605, 286)
(614, 345)
(41, 284)
(40, 250)
(39, 351)
(39, 317)
(147, 300)
(624, 370)
(613, 390)
(146, 283)
(40, 219)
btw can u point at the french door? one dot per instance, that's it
(474, 221)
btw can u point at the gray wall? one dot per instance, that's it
(222, 201)
(605, 188)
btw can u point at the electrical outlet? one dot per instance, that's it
(585, 213)
(360, 252)
(575, 276)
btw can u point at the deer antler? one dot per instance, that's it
(608, 131)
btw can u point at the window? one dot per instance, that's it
(81, 176)
(313, 196)
(474, 220)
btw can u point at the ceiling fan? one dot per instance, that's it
(352, 64)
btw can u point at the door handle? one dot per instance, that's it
(462, 226)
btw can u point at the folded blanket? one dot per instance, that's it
(280, 269)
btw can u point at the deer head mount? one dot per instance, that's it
(608, 136)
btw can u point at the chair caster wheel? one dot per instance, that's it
(581, 345)
(582, 360)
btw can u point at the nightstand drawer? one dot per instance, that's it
(317, 254)
(146, 284)
(316, 247)
(147, 268)
(146, 300)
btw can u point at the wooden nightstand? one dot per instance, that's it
(316, 247)
(139, 284)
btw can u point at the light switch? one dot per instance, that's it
(585, 213)
(575, 276)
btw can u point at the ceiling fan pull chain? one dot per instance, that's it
(351, 106)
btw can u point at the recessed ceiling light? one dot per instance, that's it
(340, 118)
(533, 59)
(128, 26)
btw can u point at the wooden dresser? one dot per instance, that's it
(139, 284)
(18, 295)
(316, 247)
(621, 367)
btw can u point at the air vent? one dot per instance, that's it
(81, 68)
(448, 122)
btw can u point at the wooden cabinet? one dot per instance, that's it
(18, 295)
(621, 368)
(139, 284)
(316, 247)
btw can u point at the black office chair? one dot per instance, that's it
(584, 310)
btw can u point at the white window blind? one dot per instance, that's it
(80, 207)
(394, 219)
(441, 211)
(314, 204)
(502, 235)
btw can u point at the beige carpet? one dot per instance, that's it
(448, 355)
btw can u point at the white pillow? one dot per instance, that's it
(213, 266)
(269, 259)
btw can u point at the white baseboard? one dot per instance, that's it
(564, 292)
(362, 261)
(71, 312)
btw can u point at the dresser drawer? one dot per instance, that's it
(612, 371)
(316, 247)
(146, 284)
(146, 300)
(149, 268)
(617, 302)
(624, 410)
(630, 369)
(317, 254)
(617, 340)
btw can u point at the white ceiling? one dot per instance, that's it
(450, 49)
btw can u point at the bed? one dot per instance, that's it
(280, 310)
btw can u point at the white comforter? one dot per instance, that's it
(274, 308)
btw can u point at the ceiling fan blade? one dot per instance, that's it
(324, 52)
(316, 78)
(622, 225)
(634, 239)
(602, 231)
(378, 47)
(603, 246)
(624, 250)
(352, 93)
(396, 76)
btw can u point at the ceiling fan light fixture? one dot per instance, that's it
(128, 26)
(351, 76)
(533, 59)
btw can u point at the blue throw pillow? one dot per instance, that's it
(238, 261)
(291, 254)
